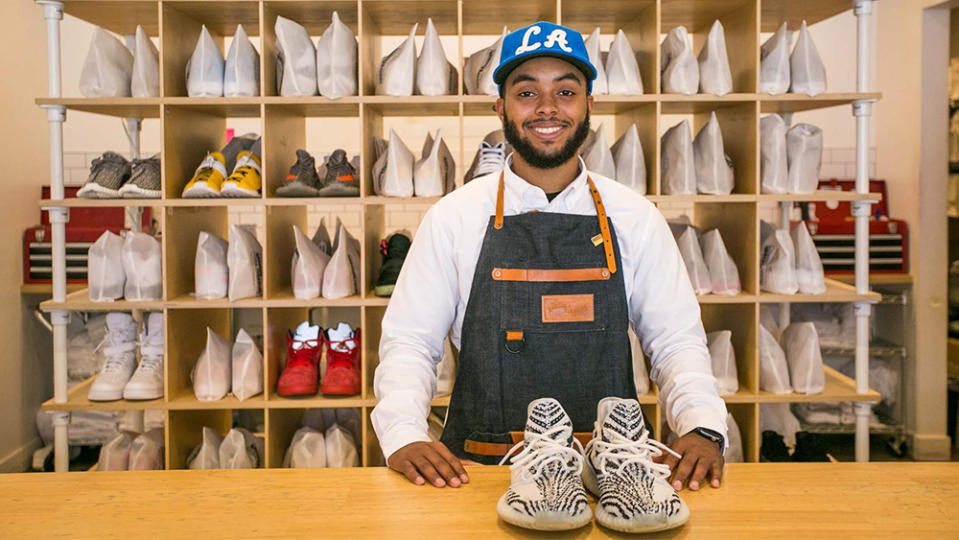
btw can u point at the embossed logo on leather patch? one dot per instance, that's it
(568, 308)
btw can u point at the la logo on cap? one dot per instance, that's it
(556, 37)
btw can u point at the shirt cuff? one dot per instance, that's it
(691, 419)
(401, 435)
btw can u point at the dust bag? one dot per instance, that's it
(804, 155)
(433, 175)
(773, 161)
(211, 376)
(680, 70)
(115, 455)
(773, 370)
(105, 277)
(146, 451)
(777, 272)
(600, 85)
(108, 68)
(142, 265)
(340, 448)
(204, 70)
(145, 82)
(296, 59)
(210, 274)
(679, 172)
(622, 70)
(723, 274)
(393, 168)
(336, 61)
(734, 454)
(398, 69)
(630, 161)
(247, 369)
(597, 155)
(242, 73)
(774, 63)
(239, 450)
(695, 265)
(206, 455)
(339, 279)
(309, 264)
(809, 271)
(779, 418)
(807, 73)
(479, 67)
(244, 257)
(714, 74)
(714, 169)
(723, 359)
(801, 344)
(306, 451)
(435, 75)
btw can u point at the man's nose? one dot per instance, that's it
(546, 105)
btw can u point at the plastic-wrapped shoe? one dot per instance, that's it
(119, 347)
(214, 169)
(245, 181)
(108, 173)
(340, 179)
(147, 380)
(490, 157)
(144, 180)
(633, 493)
(343, 357)
(303, 351)
(394, 250)
(546, 491)
(302, 181)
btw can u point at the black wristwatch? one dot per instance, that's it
(712, 436)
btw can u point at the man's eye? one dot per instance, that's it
(567, 93)
(526, 93)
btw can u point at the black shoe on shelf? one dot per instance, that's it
(394, 250)
(773, 448)
(809, 448)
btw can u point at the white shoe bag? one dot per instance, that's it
(734, 454)
(239, 450)
(204, 70)
(804, 154)
(146, 451)
(244, 257)
(309, 265)
(695, 264)
(715, 76)
(435, 75)
(247, 368)
(338, 279)
(106, 276)
(723, 358)
(809, 270)
(433, 174)
(678, 164)
(211, 375)
(242, 72)
(779, 418)
(801, 344)
(714, 169)
(807, 72)
(773, 369)
(773, 160)
(307, 450)
(598, 157)
(630, 162)
(600, 84)
(336, 61)
(210, 272)
(679, 68)
(142, 265)
(206, 455)
(478, 71)
(398, 69)
(622, 70)
(393, 169)
(145, 81)
(108, 67)
(774, 74)
(723, 274)
(296, 59)
(115, 454)
(340, 447)
(777, 272)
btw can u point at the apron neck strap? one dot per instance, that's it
(600, 215)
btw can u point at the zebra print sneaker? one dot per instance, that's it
(546, 492)
(633, 493)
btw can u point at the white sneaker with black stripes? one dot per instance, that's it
(633, 493)
(546, 491)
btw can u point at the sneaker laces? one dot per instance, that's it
(210, 162)
(491, 158)
(150, 363)
(113, 346)
(541, 450)
(626, 451)
(339, 354)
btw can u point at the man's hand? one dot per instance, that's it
(701, 457)
(431, 460)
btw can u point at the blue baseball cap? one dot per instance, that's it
(543, 39)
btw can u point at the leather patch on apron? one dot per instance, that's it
(567, 308)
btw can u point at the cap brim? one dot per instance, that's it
(502, 72)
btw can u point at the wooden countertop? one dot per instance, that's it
(758, 500)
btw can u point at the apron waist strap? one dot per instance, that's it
(501, 449)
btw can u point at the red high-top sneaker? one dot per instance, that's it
(303, 353)
(342, 361)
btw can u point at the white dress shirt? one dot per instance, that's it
(431, 294)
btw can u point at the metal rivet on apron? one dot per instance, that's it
(605, 273)
(497, 273)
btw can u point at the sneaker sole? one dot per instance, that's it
(338, 391)
(93, 190)
(559, 523)
(384, 290)
(105, 395)
(236, 192)
(142, 394)
(200, 191)
(619, 524)
(297, 190)
(130, 191)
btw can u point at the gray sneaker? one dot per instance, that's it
(144, 181)
(490, 157)
(340, 177)
(302, 181)
(107, 174)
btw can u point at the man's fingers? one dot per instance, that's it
(444, 468)
(699, 474)
(413, 475)
(716, 473)
(681, 473)
(453, 461)
(430, 472)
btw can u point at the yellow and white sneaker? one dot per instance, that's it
(208, 178)
(245, 182)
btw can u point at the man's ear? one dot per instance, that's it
(498, 107)
(589, 104)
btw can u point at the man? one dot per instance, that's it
(536, 289)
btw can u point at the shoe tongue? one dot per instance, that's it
(544, 415)
(624, 420)
(119, 321)
(340, 333)
(306, 332)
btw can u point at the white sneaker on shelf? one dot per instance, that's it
(633, 493)
(147, 380)
(546, 492)
(119, 347)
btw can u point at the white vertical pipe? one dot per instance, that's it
(862, 110)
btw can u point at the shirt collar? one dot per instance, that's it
(520, 196)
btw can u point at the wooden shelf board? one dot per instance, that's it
(741, 298)
(690, 199)
(802, 102)
(285, 298)
(875, 279)
(819, 195)
(221, 17)
(187, 401)
(775, 12)
(316, 106)
(121, 107)
(100, 203)
(77, 401)
(80, 301)
(218, 201)
(187, 301)
(838, 388)
(119, 17)
(608, 15)
(47, 288)
(314, 201)
(238, 107)
(414, 105)
(702, 103)
(835, 292)
(393, 201)
(318, 402)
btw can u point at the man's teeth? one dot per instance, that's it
(547, 131)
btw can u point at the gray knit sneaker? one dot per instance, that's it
(340, 179)
(107, 174)
(145, 179)
(302, 181)
(490, 156)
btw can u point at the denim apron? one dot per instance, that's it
(546, 317)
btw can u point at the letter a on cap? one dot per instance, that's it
(558, 37)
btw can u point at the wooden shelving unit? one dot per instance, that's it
(192, 126)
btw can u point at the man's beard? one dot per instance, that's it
(541, 160)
